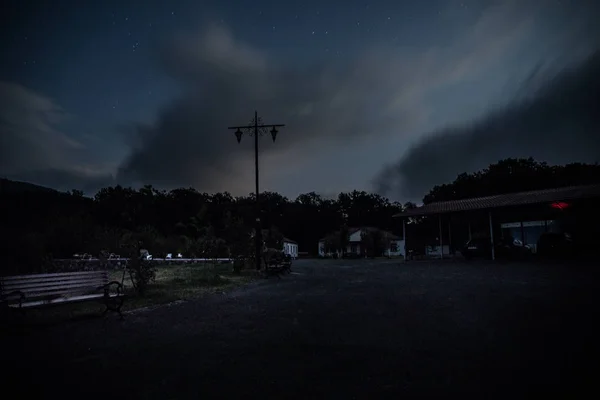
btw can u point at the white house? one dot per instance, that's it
(396, 247)
(435, 250)
(290, 247)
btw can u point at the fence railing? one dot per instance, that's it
(152, 259)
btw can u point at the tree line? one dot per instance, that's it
(43, 224)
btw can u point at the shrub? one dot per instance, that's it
(238, 265)
(142, 272)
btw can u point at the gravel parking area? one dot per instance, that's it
(336, 329)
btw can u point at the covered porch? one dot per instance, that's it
(522, 216)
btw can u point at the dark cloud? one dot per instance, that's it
(557, 122)
(29, 138)
(325, 106)
(223, 81)
(34, 149)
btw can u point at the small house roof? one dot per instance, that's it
(353, 230)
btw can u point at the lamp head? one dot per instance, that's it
(238, 135)
(274, 133)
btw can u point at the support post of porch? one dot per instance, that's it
(469, 231)
(492, 235)
(441, 241)
(449, 236)
(404, 237)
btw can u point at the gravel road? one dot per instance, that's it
(335, 329)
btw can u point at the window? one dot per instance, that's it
(394, 247)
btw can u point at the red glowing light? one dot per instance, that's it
(561, 205)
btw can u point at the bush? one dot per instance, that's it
(142, 273)
(238, 265)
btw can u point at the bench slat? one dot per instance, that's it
(50, 283)
(56, 293)
(42, 281)
(36, 278)
(41, 285)
(59, 289)
(53, 275)
(60, 300)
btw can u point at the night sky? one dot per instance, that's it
(391, 96)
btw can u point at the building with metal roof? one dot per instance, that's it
(556, 198)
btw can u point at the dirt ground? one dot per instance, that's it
(335, 329)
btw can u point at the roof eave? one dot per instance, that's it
(500, 201)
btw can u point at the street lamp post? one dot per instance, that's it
(256, 128)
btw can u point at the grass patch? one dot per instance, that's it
(173, 283)
(184, 282)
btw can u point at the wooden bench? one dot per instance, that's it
(274, 270)
(275, 266)
(41, 290)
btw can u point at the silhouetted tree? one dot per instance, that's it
(344, 238)
(514, 175)
(373, 242)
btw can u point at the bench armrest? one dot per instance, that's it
(5, 297)
(118, 287)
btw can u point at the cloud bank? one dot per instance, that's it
(224, 81)
(33, 148)
(29, 138)
(558, 123)
(335, 104)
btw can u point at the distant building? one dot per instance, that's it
(290, 247)
(395, 248)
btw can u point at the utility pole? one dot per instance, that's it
(256, 128)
